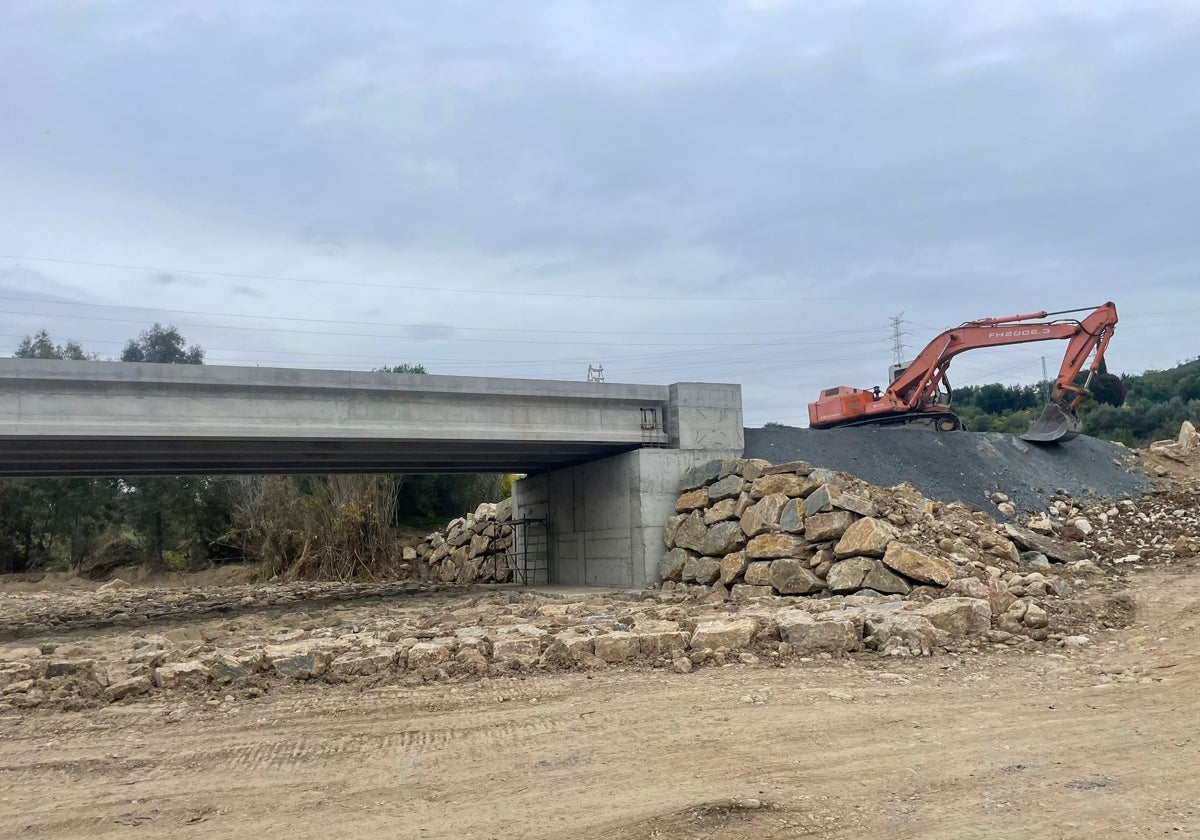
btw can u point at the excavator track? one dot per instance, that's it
(935, 422)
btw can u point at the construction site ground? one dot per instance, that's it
(1100, 741)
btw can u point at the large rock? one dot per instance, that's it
(882, 579)
(617, 646)
(902, 632)
(127, 688)
(865, 538)
(190, 674)
(723, 538)
(853, 503)
(771, 546)
(691, 532)
(763, 516)
(847, 576)
(702, 475)
(692, 500)
(825, 527)
(791, 517)
(427, 655)
(758, 573)
(659, 637)
(786, 484)
(746, 591)
(703, 570)
(723, 633)
(821, 499)
(729, 487)
(1058, 550)
(672, 527)
(959, 617)
(790, 576)
(670, 567)
(733, 566)
(722, 510)
(919, 566)
(808, 636)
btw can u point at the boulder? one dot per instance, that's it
(690, 534)
(672, 527)
(128, 688)
(692, 500)
(763, 517)
(791, 517)
(722, 510)
(825, 527)
(729, 487)
(882, 579)
(702, 570)
(795, 467)
(723, 538)
(808, 636)
(190, 674)
(847, 576)
(618, 646)
(671, 566)
(902, 632)
(758, 573)
(821, 499)
(865, 538)
(854, 503)
(733, 566)
(771, 546)
(702, 475)
(786, 484)
(958, 617)
(1057, 550)
(723, 633)
(745, 592)
(427, 655)
(919, 566)
(790, 576)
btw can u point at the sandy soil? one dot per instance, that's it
(1098, 742)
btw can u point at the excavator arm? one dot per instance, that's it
(915, 390)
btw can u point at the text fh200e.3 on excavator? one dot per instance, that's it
(919, 393)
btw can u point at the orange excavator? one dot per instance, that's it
(919, 394)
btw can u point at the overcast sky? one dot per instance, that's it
(740, 191)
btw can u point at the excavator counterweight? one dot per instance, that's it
(920, 395)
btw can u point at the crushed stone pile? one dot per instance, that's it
(476, 548)
(965, 467)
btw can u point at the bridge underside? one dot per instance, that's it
(173, 456)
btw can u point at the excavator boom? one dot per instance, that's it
(919, 392)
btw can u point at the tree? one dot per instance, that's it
(40, 346)
(162, 345)
(403, 367)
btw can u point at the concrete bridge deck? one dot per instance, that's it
(119, 418)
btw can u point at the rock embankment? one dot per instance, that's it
(747, 529)
(476, 548)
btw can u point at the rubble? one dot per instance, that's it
(476, 548)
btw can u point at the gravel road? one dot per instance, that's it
(962, 466)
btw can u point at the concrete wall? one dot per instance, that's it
(605, 519)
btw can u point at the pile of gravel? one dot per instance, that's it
(961, 466)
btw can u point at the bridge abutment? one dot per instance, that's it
(605, 519)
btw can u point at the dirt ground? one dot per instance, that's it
(1101, 741)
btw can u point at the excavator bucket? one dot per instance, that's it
(1056, 424)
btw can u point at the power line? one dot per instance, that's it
(405, 287)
